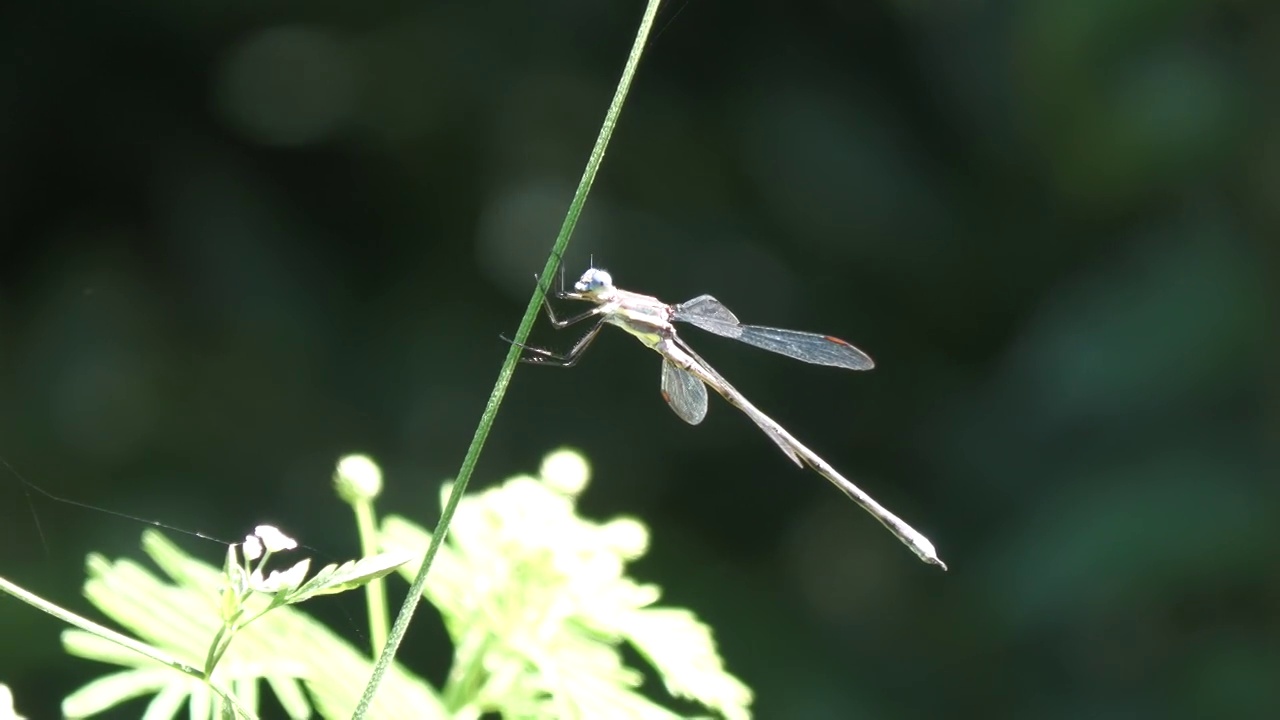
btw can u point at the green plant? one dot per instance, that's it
(508, 366)
(534, 596)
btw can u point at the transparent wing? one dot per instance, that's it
(717, 382)
(809, 347)
(709, 314)
(685, 393)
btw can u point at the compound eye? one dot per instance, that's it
(600, 279)
(594, 281)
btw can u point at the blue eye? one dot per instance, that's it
(594, 281)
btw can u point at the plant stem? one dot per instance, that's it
(508, 367)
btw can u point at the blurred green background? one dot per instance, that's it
(238, 240)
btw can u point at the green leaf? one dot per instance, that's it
(117, 688)
(352, 574)
(682, 650)
(537, 601)
(298, 656)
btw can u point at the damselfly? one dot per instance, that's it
(686, 376)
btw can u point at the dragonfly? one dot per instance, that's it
(686, 376)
